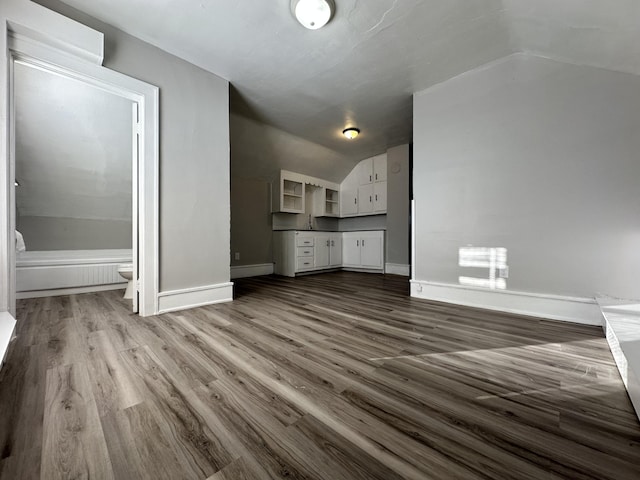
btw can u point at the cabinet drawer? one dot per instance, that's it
(304, 241)
(304, 263)
(305, 251)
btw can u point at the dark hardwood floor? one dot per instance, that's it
(332, 376)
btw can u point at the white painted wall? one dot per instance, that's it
(539, 157)
(194, 156)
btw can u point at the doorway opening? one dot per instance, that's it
(76, 158)
(141, 101)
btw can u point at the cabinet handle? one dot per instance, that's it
(357, 243)
(369, 198)
(369, 177)
(363, 242)
(355, 200)
(327, 243)
(376, 176)
(332, 243)
(376, 197)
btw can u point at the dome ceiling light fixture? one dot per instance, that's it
(351, 133)
(313, 14)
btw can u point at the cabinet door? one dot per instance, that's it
(365, 199)
(349, 202)
(351, 251)
(321, 252)
(371, 251)
(380, 168)
(291, 196)
(380, 197)
(335, 251)
(365, 171)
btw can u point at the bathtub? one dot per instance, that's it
(62, 272)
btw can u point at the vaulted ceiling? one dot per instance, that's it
(364, 66)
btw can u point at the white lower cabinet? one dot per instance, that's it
(328, 250)
(321, 256)
(309, 251)
(363, 250)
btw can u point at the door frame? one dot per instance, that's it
(41, 54)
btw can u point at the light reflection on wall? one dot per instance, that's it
(495, 259)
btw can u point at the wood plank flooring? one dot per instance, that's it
(333, 376)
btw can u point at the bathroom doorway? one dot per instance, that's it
(76, 157)
(33, 52)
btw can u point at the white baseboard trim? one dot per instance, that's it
(194, 297)
(7, 330)
(553, 307)
(245, 271)
(361, 270)
(397, 269)
(70, 291)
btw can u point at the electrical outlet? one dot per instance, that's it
(236, 256)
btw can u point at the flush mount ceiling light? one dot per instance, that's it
(351, 133)
(313, 14)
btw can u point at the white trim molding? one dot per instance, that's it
(397, 269)
(553, 307)
(7, 330)
(194, 297)
(70, 291)
(245, 271)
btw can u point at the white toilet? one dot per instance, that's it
(126, 271)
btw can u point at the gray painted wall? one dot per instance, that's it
(261, 151)
(369, 222)
(73, 163)
(194, 156)
(57, 233)
(398, 175)
(251, 235)
(538, 157)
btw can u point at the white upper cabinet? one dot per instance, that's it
(288, 193)
(380, 168)
(365, 171)
(364, 191)
(349, 202)
(365, 199)
(380, 197)
(326, 202)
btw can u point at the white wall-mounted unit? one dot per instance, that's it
(364, 191)
(327, 202)
(288, 193)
